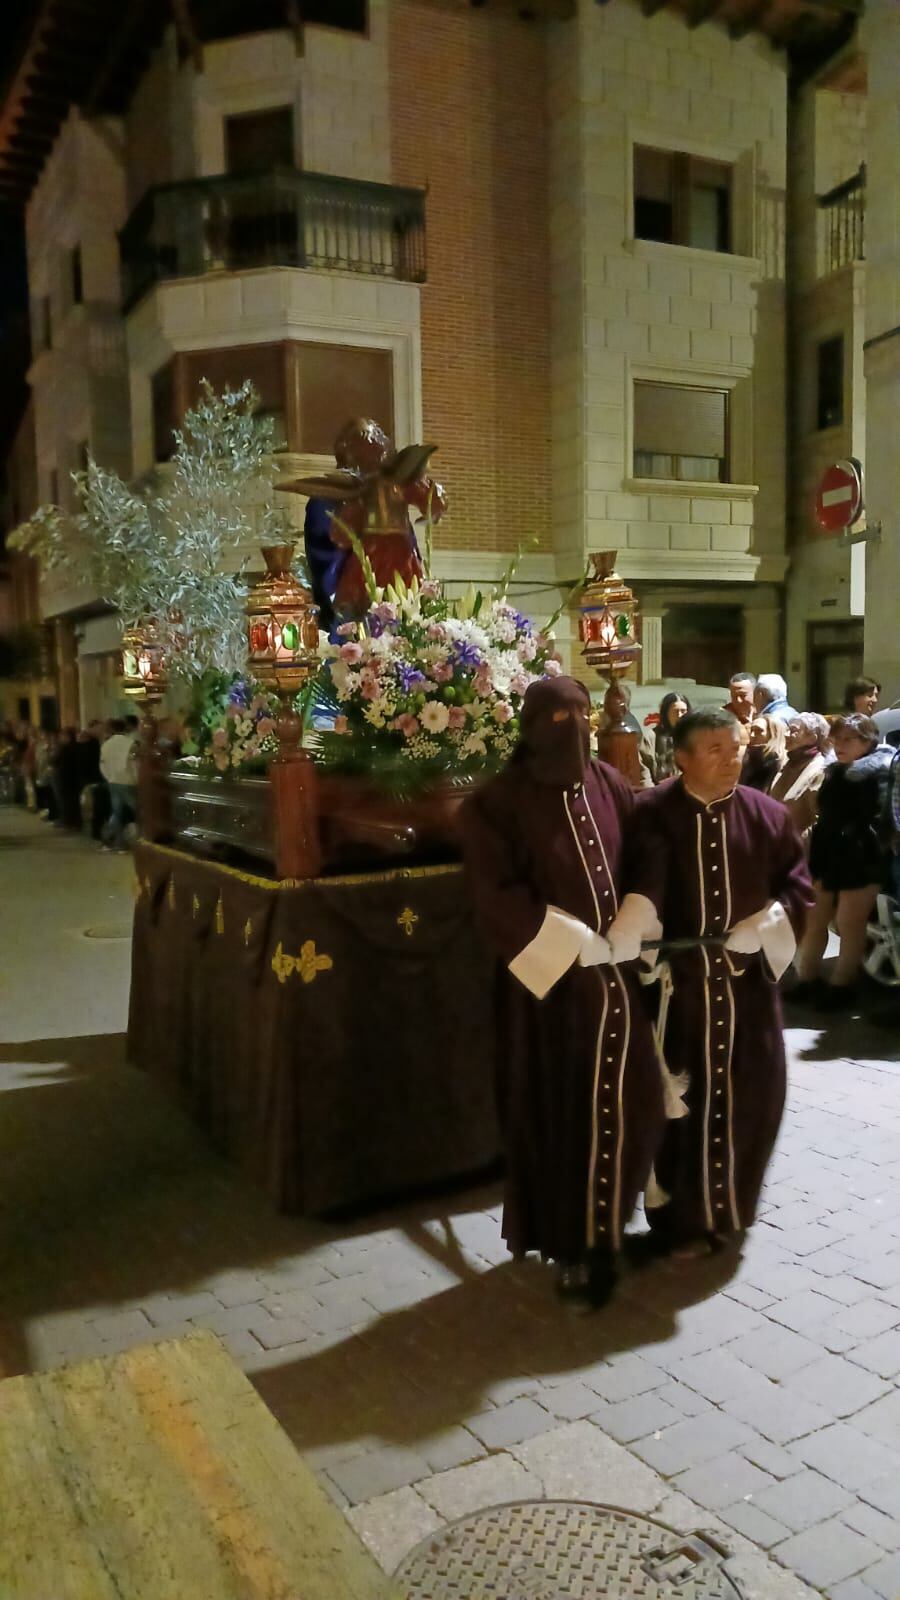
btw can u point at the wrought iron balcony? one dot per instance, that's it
(279, 218)
(844, 210)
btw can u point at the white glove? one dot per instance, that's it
(768, 930)
(595, 951)
(625, 942)
(745, 938)
(636, 922)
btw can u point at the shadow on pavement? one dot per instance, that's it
(109, 1194)
(111, 1197)
(423, 1369)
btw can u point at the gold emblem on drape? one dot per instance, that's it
(407, 921)
(307, 965)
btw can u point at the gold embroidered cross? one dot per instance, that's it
(307, 965)
(248, 930)
(407, 921)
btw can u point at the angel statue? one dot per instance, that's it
(371, 492)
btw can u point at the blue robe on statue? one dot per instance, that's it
(323, 558)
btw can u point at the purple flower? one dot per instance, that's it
(411, 679)
(466, 654)
(523, 624)
(239, 694)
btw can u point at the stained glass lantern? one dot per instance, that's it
(282, 625)
(143, 663)
(608, 619)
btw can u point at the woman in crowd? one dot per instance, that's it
(657, 749)
(847, 860)
(765, 754)
(861, 696)
(798, 783)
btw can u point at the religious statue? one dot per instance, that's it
(371, 493)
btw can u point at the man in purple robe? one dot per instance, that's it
(581, 1094)
(711, 862)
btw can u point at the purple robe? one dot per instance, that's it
(701, 870)
(579, 1085)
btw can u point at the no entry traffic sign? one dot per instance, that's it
(839, 497)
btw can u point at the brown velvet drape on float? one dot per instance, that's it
(335, 1037)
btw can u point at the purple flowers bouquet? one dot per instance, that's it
(429, 686)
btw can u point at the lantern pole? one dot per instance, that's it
(608, 630)
(283, 640)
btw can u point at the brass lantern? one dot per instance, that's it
(143, 662)
(282, 626)
(608, 619)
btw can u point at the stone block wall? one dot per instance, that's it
(648, 310)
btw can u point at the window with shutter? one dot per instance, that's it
(309, 390)
(263, 364)
(682, 199)
(680, 433)
(337, 382)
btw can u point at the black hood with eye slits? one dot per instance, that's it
(555, 752)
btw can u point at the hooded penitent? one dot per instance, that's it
(579, 1085)
(555, 733)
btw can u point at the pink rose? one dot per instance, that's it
(442, 671)
(220, 760)
(519, 682)
(265, 725)
(233, 712)
(220, 738)
(369, 687)
(351, 651)
(457, 717)
(552, 668)
(341, 725)
(407, 724)
(502, 711)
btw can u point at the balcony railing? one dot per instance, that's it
(274, 219)
(844, 211)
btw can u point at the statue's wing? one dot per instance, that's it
(408, 464)
(328, 486)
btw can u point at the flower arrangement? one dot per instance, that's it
(427, 687)
(234, 726)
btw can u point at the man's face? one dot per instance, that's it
(742, 699)
(711, 761)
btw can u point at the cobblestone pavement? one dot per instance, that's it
(419, 1371)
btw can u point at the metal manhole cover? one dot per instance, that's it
(547, 1549)
(107, 931)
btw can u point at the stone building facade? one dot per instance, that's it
(615, 341)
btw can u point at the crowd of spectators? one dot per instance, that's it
(78, 780)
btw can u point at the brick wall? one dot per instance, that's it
(467, 97)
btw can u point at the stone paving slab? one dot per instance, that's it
(422, 1373)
